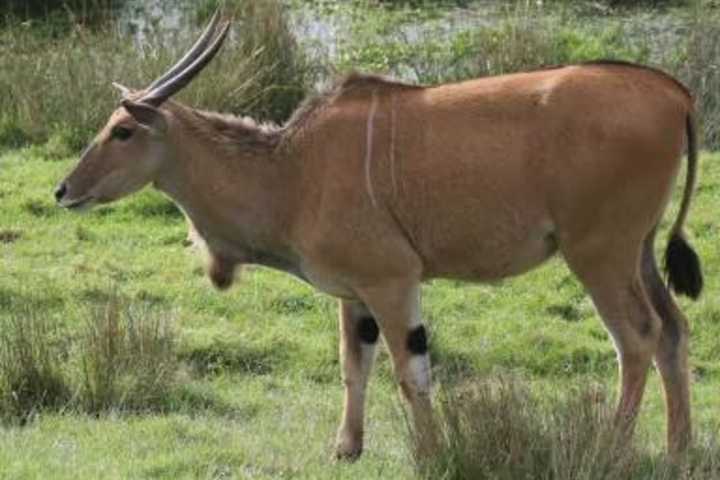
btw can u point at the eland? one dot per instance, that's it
(378, 185)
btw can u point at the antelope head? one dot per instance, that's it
(135, 144)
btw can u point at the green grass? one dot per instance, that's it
(498, 428)
(256, 392)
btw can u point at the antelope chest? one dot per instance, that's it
(325, 281)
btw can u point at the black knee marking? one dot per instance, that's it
(367, 330)
(417, 341)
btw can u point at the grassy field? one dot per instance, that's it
(249, 386)
(119, 360)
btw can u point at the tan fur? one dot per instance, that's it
(378, 185)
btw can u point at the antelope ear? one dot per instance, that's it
(146, 115)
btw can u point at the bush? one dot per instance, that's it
(30, 376)
(123, 359)
(280, 70)
(128, 360)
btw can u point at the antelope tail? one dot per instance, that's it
(682, 265)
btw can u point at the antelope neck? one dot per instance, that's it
(240, 200)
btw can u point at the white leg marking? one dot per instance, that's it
(415, 313)
(367, 358)
(418, 371)
(418, 366)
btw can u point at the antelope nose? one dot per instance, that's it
(60, 191)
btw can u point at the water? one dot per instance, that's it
(322, 33)
(323, 30)
(139, 18)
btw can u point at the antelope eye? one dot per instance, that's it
(121, 133)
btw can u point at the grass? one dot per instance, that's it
(118, 360)
(86, 11)
(255, 372)
(114, 357)
(498, 428)
(127, 357)
(30, 380)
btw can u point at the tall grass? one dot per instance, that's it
(699, 65)
(498, 429)
(60, 88)
(83, 10)
(128, 360)
(281, 71)
(122, 358)
(30, 375)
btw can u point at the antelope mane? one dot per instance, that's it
(233, 134)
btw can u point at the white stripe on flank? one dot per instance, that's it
(393, 118)
(368, 148)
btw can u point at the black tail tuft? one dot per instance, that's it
(682, 267)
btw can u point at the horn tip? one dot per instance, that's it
(124, 91)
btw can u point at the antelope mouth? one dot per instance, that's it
(79, 205)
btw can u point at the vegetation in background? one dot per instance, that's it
(59, 89)
(57, 17)
(30, 377)
(698, 64)
(282, 75)
(56, 87)
(529, 35)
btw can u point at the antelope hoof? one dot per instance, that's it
(348, 449)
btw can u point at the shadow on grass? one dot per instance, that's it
(154, 207)
(199, 399)
(19, 300)
(236, 356)
(294, 304)
(98, 296)
(10, 236)
(569, 313)
(40, 208)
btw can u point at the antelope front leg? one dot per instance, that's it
(358, 337)
(397, 309)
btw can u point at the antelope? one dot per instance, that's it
(377, 185)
